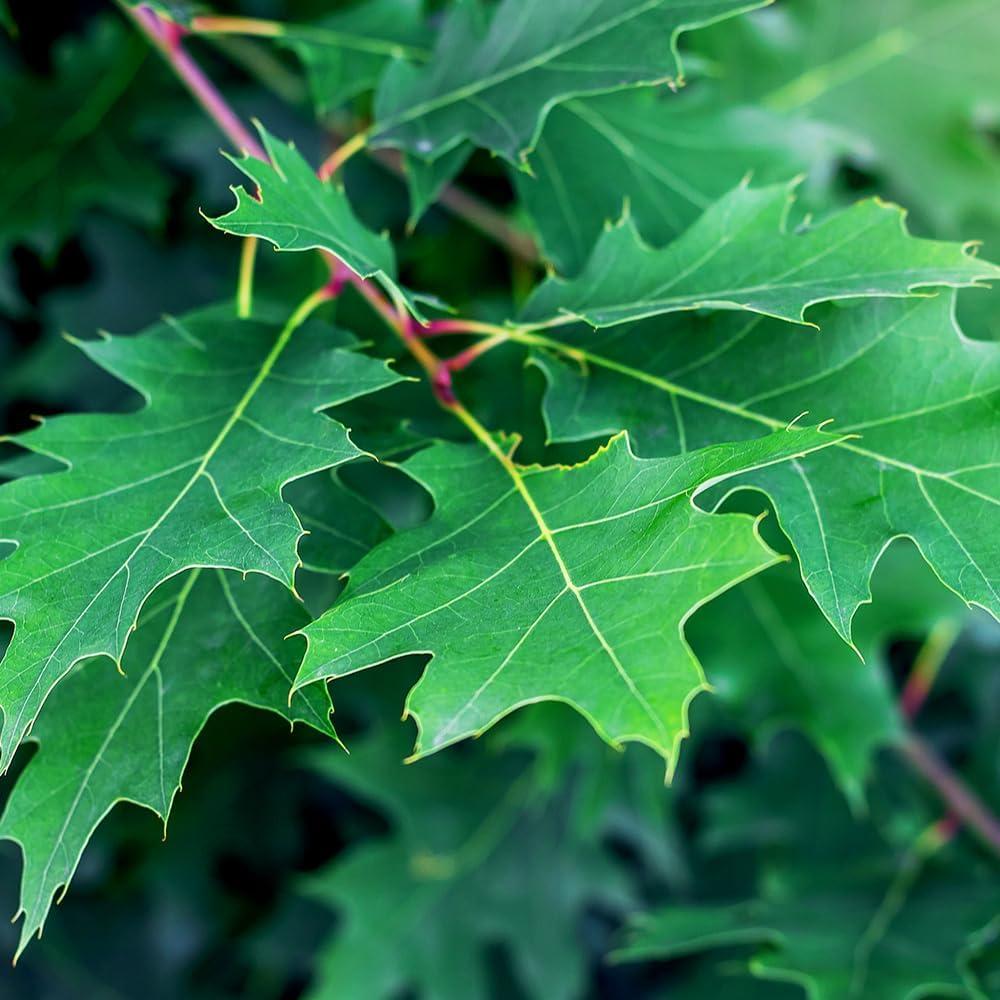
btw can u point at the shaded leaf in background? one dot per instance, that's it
(494, 84)
(740, 255)
(662, 159)
(74, 141)
(426, 179)
(913, 82)
(346, 52)
(422, 906)
(925, 463)
(845, 906)
(533, 583)
(874, 937)
(773, 661)
(150, 493)
(205, 640)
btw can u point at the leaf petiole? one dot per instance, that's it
(341, 155)
(244, 289)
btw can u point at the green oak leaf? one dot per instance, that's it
(740, 255)
(426, 179)
(532, 583)
(843, 905)
(913, 83)
(204, 640)
(347, 51)
(192, 479)
(293, 209)
(920, 397)
(421, 907)
(774, 663)
(494, 84)
(833, 942)
(667, 157)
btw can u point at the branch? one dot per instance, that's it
(960, 799)
(476, 212)
(925, 667)
(167, 37)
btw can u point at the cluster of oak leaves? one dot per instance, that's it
(696, 337)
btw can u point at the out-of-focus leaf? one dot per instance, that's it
(421, 906)
(74, 141)
(915, 83)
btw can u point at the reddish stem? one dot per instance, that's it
(962, 802)
(167, 37)
(926, 667)
(465, 358)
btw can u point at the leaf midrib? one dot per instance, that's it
(502, 76)
(297, 318)
(675, 389)
(113, 729)
(548, 536)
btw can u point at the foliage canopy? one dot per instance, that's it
(599, 395)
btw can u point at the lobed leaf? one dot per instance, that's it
(740, 255)
(661, 158)
(293, 209)
(494, 84)
(204, 641)
(568, 584)
(193, 479)
(917, 398)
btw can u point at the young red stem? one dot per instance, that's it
(437, 371)
(167, 38)
(465, 358)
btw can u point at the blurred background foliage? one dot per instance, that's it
(518, 865)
